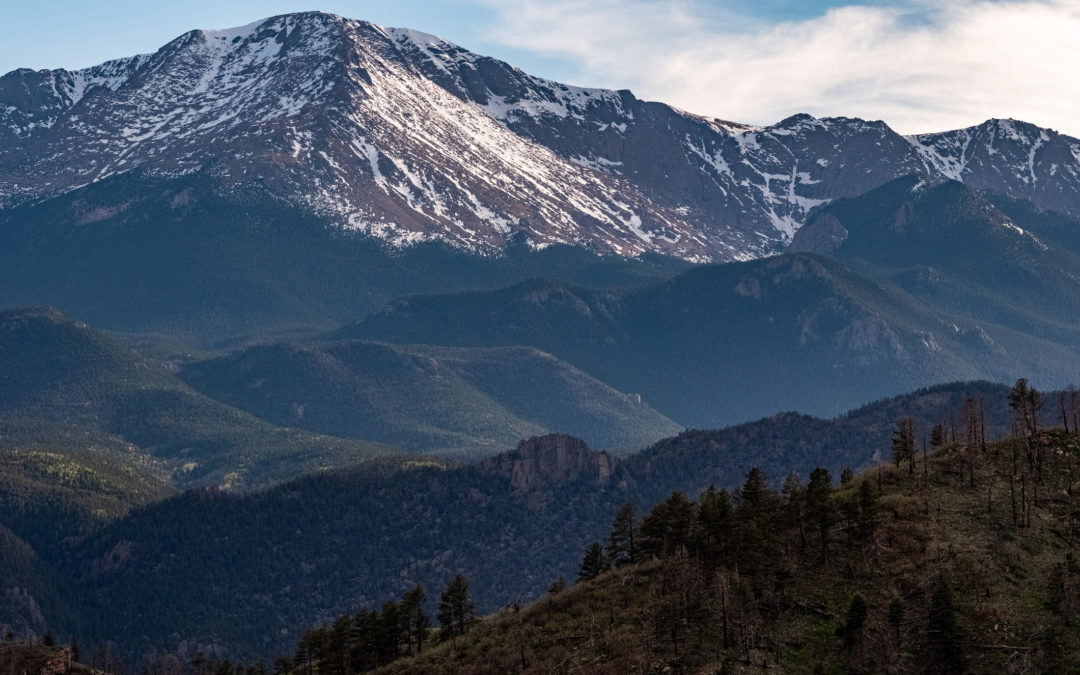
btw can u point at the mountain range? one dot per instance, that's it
(408, 138)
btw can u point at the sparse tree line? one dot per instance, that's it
(728, 558)
(372, 639)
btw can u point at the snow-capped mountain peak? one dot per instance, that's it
(408, 137)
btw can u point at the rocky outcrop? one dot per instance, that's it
(545, 461)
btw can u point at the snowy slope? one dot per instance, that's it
(407, 137)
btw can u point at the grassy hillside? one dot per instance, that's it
(458, 402)
(965, 563)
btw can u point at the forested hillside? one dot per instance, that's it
(962, 559)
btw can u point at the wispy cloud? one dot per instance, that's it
(918, 65)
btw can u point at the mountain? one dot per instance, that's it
(906, 285)
(450, 401)
(65, 386)
(214, 569)
(406, 137)
(184, 256)
(49, 500)
(955, 250)
(718, 344)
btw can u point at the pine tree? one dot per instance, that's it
(868, 511)
(903, 443)
(1026, 402)
(943, 639)
(622, 544)
(456, 611)
(819, 507)
(414, 618)
(851, 631)
(593, 564)
(937, 436)
(794, 506)
(756, 517)
(389, 632)
(668, 526)
(714, 529)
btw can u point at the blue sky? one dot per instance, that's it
(920, 65)
(72, 34)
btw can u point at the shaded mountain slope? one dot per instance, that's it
(466, 402)
(50, 498)
(64, 381)
(956, 251)
(189, 257)
(808, 332)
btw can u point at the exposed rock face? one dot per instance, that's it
(407, 138)
(544, 461)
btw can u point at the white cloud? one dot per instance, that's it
(920, 66)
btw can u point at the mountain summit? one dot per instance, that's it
(407, 138)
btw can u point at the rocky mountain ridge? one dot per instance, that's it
(407, 137)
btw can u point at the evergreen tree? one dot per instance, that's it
(415, 619)
(389, 632)
(943, 639)
(622, 545)
(225, 668)
(866, 521)
(282, 665)
(851, 631)
(456, 610)
(338, 657)
(819, 507)
(593, 564)
(714, 528)
(794, 506)
(937, 436)
(756, 518)
(668, 526)
(903, 443)
(364, 638)
(1026, 402)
